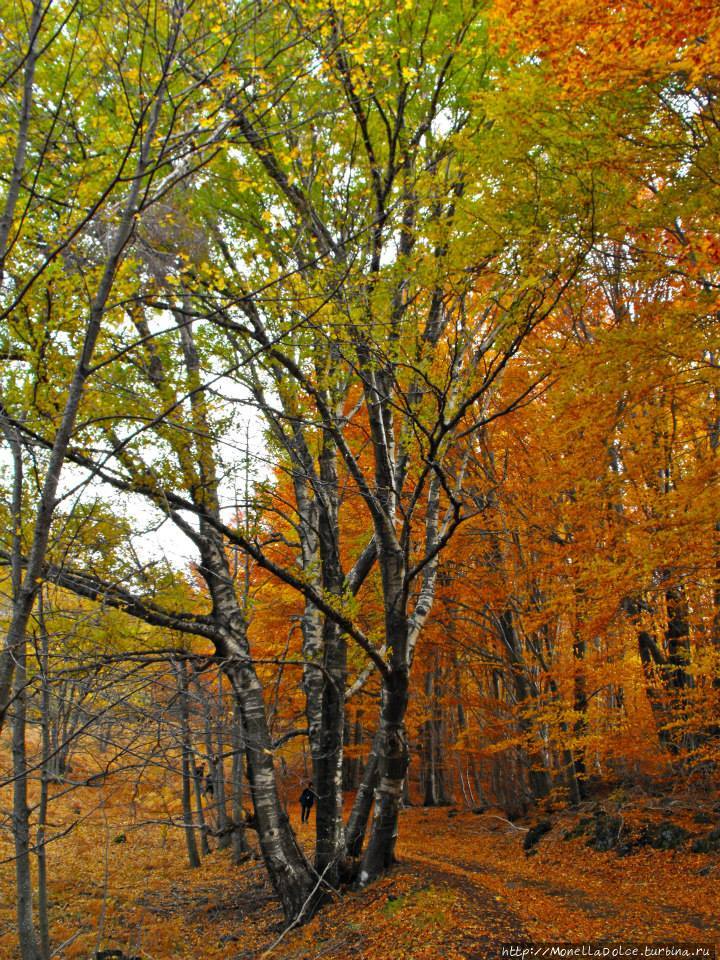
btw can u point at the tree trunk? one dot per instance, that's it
(223, 822)
(580, 725)
(312, 651)
(328, 765)
(240, 845)
(393, 761)
(197, 789)
(360, 813)
(353, 736)
(653, 660)
(678, 638)
(435, 786)
(215, 774)
(679, 657)
(292, 877)
(188, 768)
(29, 948)
(427, 773)
(537, 772)
(43, 914)
(665, 680)
(716, 603)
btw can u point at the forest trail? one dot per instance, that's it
(490, 920)
(565, 891)
(462, 887)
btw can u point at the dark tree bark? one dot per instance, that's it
(434, 770)
(352, 761)
(581, 724)
(290, 873)
(537, 772)
(360, 813)
(223, 822)
(29, 946)
(393, 761)
(187, 766)
(45, 777)
(240, 846)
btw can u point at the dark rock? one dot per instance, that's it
(664, 835)
(606, 831)
(478, 810)
(114, 955)
(627, 848)
(581, 828)
(703, 818)
(709, 843)
(535, 833)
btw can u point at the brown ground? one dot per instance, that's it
(464, 885)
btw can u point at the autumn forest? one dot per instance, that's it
(359, 473)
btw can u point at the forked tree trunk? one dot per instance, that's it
(393, 761)
(679, 658)
(664, 680)
(653, 661)
(294, 880)
(360, 813)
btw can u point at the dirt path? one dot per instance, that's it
(494, 920)
(595, 907)
(564, 891)
(463, 887)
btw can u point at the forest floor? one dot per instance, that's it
(463, 886)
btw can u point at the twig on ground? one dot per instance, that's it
(298, 918)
